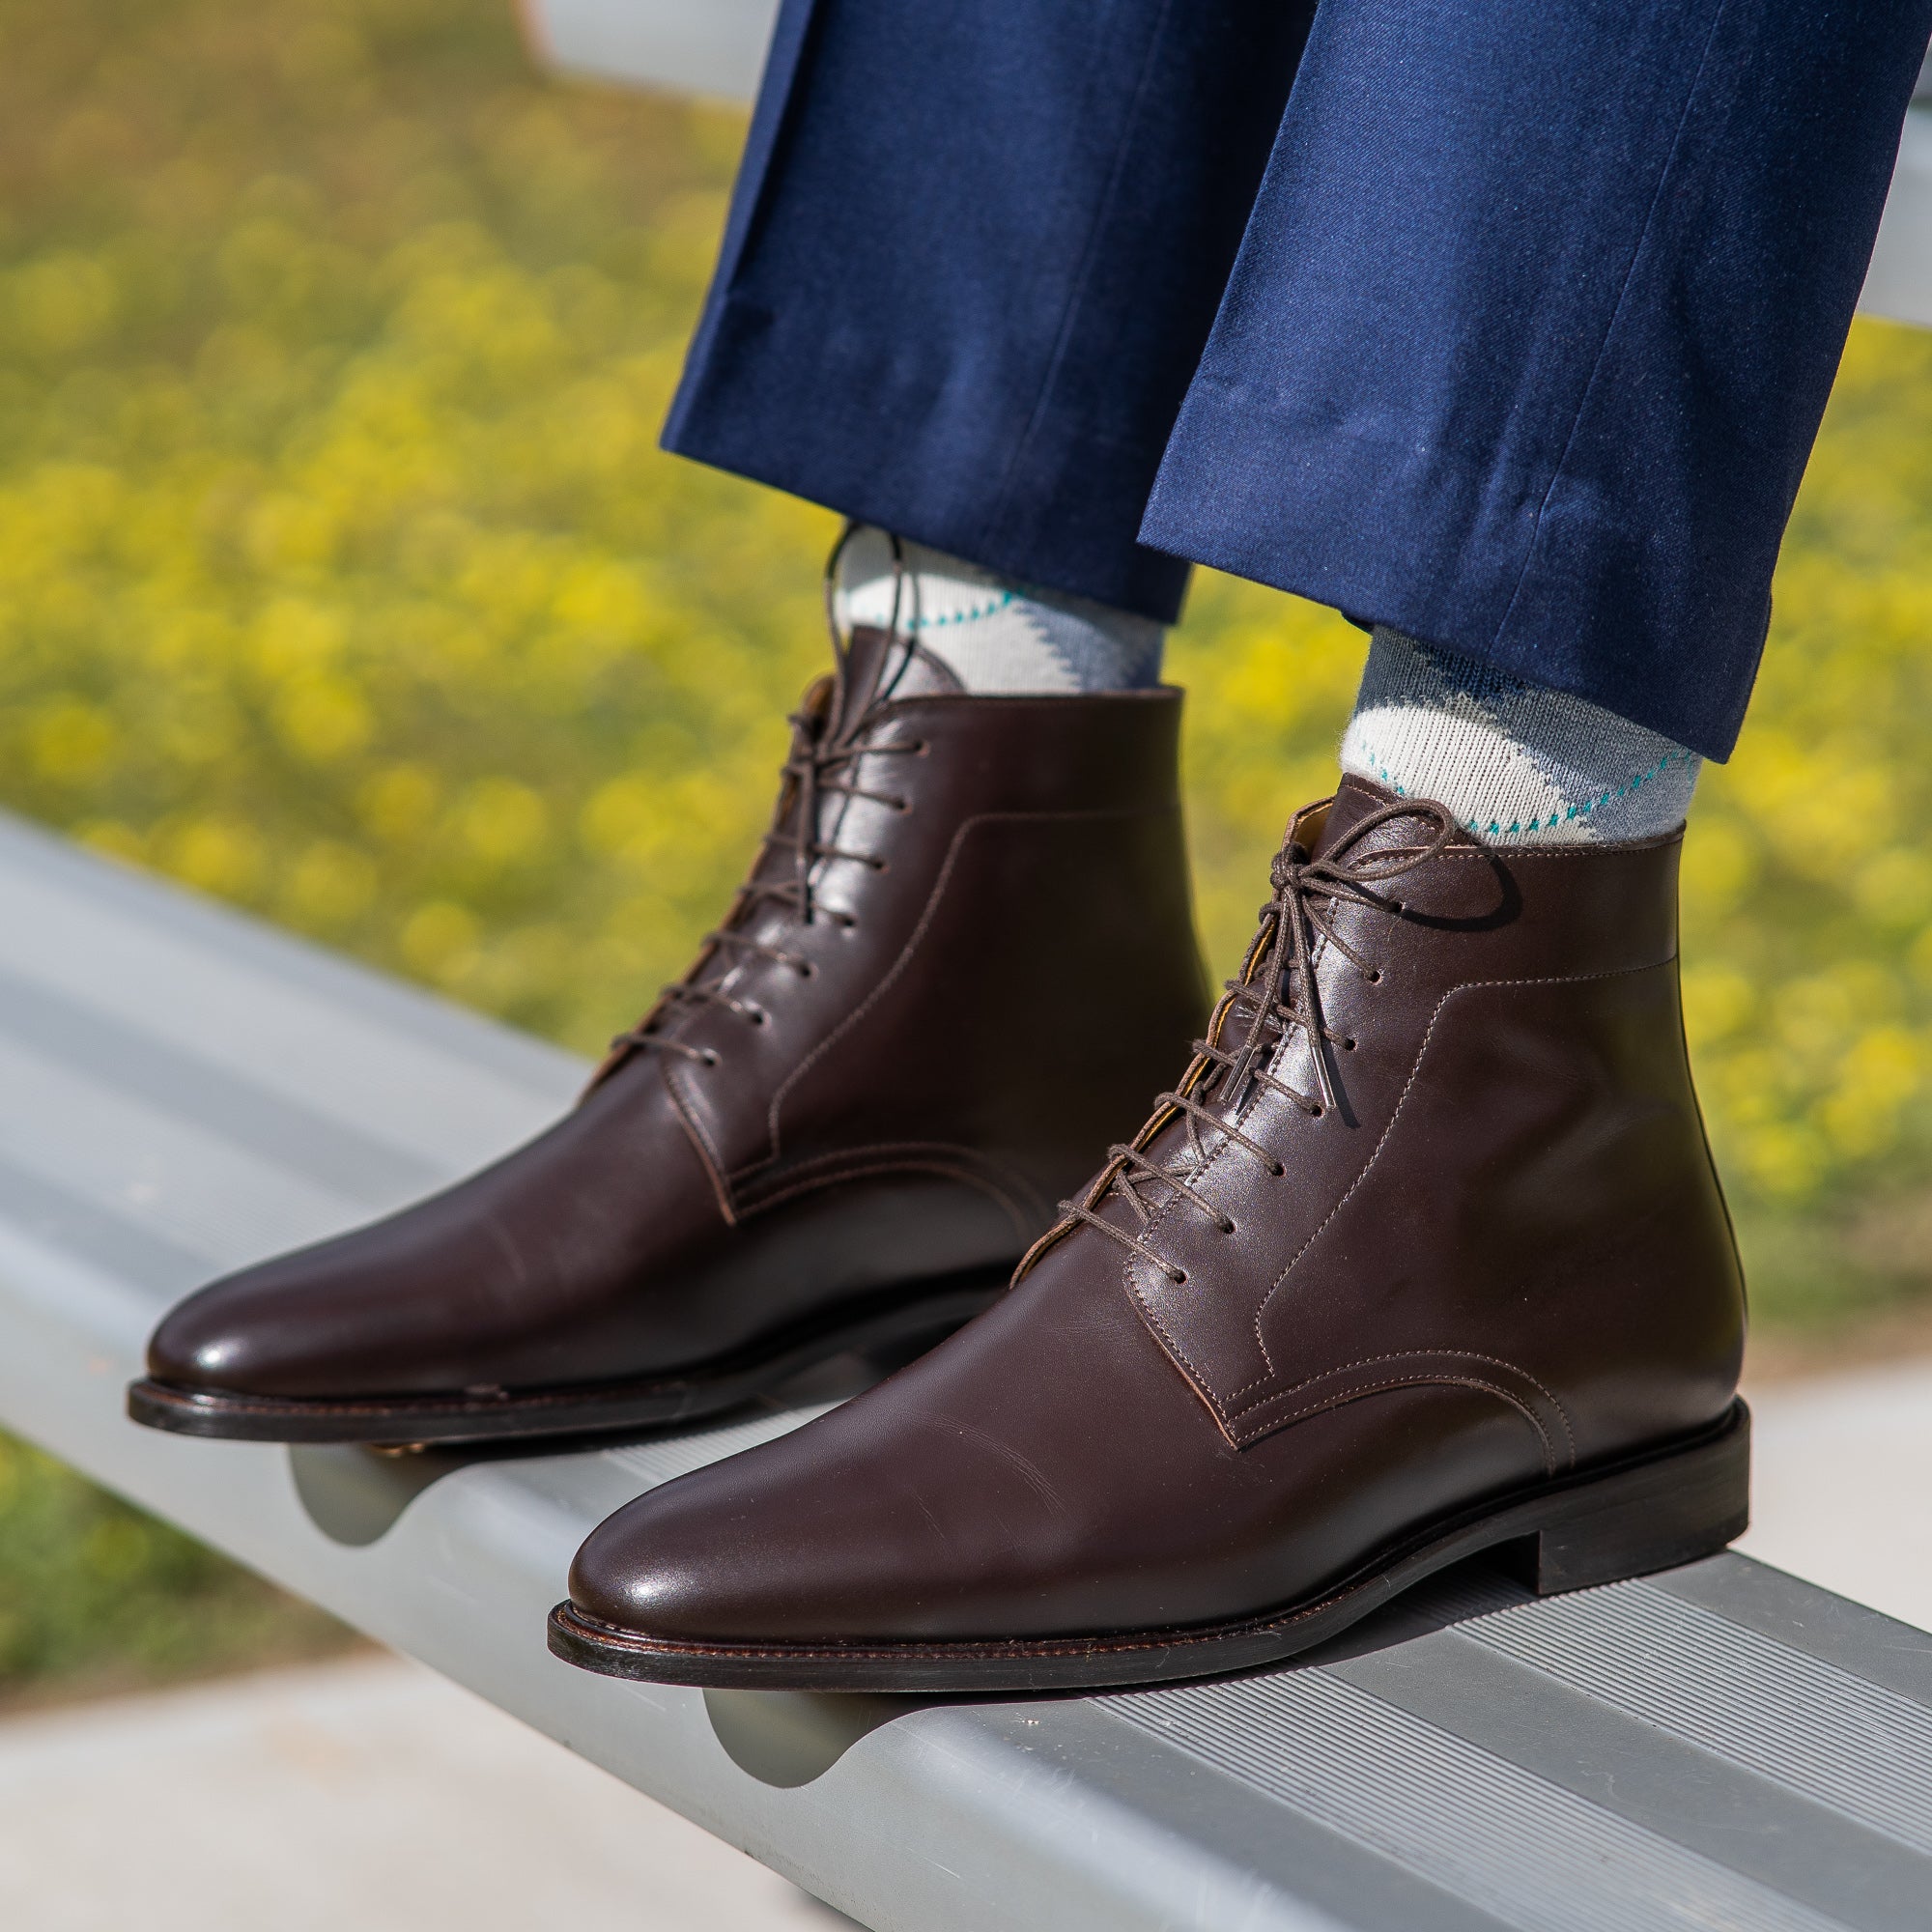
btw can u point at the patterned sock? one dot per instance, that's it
(1516, 763)
(992, 634)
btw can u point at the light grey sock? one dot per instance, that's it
(992, 634)
(1517, 764)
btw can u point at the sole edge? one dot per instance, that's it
(664, 1402)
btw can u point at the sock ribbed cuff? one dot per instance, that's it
(992, 634)
(1516, 763)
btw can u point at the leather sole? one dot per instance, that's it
(1645, 1512)
(881, 1324)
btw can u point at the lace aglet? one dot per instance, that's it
(1325, 1079)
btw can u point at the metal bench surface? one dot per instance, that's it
(184, 1091)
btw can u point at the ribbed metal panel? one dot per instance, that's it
(1475, 1824)
(655, 1463)
(1821, 1732)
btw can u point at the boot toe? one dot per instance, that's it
(245, 1334)
(200, 1346)
(912, 1514)
(679, 1568)
(346, 1318)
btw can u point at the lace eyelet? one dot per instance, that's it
(1348, 1046)
(710, 1057)
(806, 969)
(1373, 978)
(1227, 1226)
(1316, 1113)
(757, 1016)
(1279, 1170)
(1177, 1276)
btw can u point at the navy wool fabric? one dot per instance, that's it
(1509, 325)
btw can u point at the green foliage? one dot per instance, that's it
(340, 576)
(94, 1595)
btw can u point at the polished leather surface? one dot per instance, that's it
(1492, 1252)
(999, 959)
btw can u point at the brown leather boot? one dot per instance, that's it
(839, 1132)
(1423, 1256)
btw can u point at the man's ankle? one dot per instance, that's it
(1518, 763)
(992, 634)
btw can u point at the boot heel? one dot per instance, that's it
(1654, 1517)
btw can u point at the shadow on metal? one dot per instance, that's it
(354, 1496)
(788, 1738)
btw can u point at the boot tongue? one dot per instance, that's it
(880, 667)
(1356, 798)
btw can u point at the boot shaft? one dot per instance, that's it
(972, 946)
(1484, 1125)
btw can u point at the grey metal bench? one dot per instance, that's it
(182, 1089)
(1899, 282)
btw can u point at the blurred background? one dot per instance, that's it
(341, 579)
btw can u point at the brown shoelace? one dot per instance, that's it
(1278, 993)
(825, 744)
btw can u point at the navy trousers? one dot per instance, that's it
(1509, 323)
